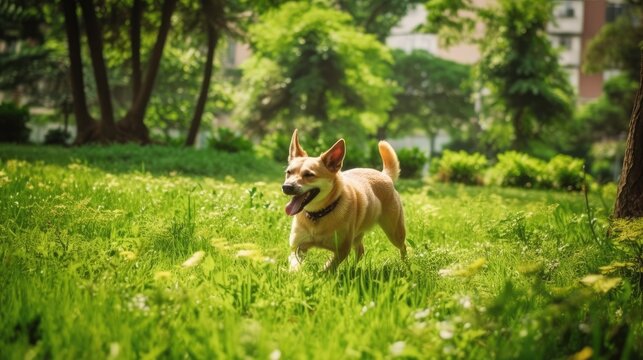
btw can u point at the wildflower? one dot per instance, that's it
(421, 314)
(584, 354)
(162, 275)
(128, 255)
(446, 330)
(194, 260)
(275, 355)
(397, 348)
(465, 301)
(365, 308)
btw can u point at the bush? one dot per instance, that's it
(461, 167)
(57, 137)
(566, 172)
(227, 140)
(603, 171)
(522, 170)
(275, 146)
(412, 162)
(13, 122)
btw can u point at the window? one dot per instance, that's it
(613, 11)
(565, 42)
(565, 10)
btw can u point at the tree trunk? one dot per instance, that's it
(133, 122)
(84, 123)
(95, 40)
(213, 38)
(135, 38)
(629, 198)
(520, 136)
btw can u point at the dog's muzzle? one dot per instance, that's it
(289, 189)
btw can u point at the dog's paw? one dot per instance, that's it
(295, 263)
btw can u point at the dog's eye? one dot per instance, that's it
(288, 172)
(309, 175)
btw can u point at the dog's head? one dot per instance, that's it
(309, 180)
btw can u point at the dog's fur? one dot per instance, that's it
(358, 199)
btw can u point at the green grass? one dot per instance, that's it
(92, 243)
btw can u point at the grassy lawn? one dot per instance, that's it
(157, 252)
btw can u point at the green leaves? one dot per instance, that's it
(311, 66)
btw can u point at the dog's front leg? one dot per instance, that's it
(295, 259)
(297, 253)
(342, 249)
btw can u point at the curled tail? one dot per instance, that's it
(389, 158)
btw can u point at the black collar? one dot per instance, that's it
(316, 215)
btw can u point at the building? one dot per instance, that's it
(575, 23)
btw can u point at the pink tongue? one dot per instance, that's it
(294, 206)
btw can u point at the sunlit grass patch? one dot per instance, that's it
(100, 263)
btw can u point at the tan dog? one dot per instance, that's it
(332, 209)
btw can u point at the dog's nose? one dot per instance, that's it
(288, 189)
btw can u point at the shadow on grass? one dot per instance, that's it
(157, 160)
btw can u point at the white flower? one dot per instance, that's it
(446, 330)
(366, 307)
(421, 314)
(275, 355)
(465, 301)
(194, 260)
(397, 348)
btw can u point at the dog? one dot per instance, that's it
(332, 209)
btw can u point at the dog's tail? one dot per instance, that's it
(389, 158)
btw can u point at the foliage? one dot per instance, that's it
(412, 161)
(435, 93)
(566, 173)
(275, 146)
(519, 169)
(224, 139)
(519, 68)
(57, 137)
(312, 70)
(152, 160)
(13, 122)
(377, 17)
(629, 240)
(461, 167)
(150, 251)
(617, 44)
(607, 117)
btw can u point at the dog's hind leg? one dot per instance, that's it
(392, 222)
(358, 247)
(341, 250)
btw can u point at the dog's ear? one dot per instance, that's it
(295, 148)
(334, 157)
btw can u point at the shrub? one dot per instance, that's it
(57, 137)
(603, 171)
(461, 167)
(412, 162)
(566, 172)
(522, 170)
(227, 140)
(13, 122)
(275, 146)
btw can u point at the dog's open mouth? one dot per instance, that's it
(298, 202)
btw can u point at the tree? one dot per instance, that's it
(132, 126)
(214, 23)
(518, 64)
(434, 94)
(377, 17)
(310, 67)
(629, 198)
(616, 46)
